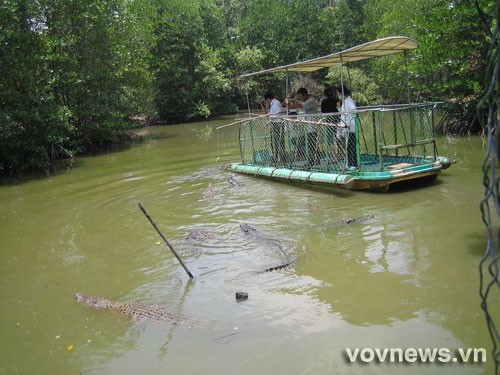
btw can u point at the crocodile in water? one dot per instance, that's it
(138, 310)
(358, 220)
(249, 230)
(200, 234)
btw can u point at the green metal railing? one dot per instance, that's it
(384, 137)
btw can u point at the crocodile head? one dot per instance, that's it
(95, 302)
(247, 228)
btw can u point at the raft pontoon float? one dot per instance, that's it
(393, 143)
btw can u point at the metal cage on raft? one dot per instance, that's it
(370, 148)
(385, 138)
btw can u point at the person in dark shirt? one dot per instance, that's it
(330, 105)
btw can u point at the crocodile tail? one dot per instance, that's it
(279, 266)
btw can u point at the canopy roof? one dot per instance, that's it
(377, 48)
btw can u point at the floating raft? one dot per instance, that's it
(317, 178)
(369, 148)
(356, 180)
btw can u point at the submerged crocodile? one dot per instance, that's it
(200, 234)
(235, 182)
(249, 230)
(245, 228)
(138, 310)
(362, 219)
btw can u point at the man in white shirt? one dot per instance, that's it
(348, 119)
(275, 107)
(277, 127)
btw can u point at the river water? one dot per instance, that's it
(408, 278)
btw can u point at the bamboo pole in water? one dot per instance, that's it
(166, 240)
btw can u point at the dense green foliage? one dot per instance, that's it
(188, 61)
(74, 73)
(31, 123)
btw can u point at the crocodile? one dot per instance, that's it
(200, 234)
(245, 228)
(139, 310)
(251, 231)
(362, 219)
(235, 182)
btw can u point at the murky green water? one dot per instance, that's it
(408, 278)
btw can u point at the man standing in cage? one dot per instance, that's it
(348, 119)
(308, 104)
(329, 105)
(275, 110)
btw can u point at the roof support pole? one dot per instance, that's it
(342, 76)
(407, 77)
(248, 101)
(286, 90)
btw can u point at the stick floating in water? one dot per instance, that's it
(166, 240)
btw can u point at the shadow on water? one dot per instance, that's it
(61, 166)
(58, 167)
(149, 133)
(339, 192)
(410, 185)
(478, 244)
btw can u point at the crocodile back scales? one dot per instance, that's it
(140, 310)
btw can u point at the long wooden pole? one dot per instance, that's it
(166, 240)
(239, 121)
